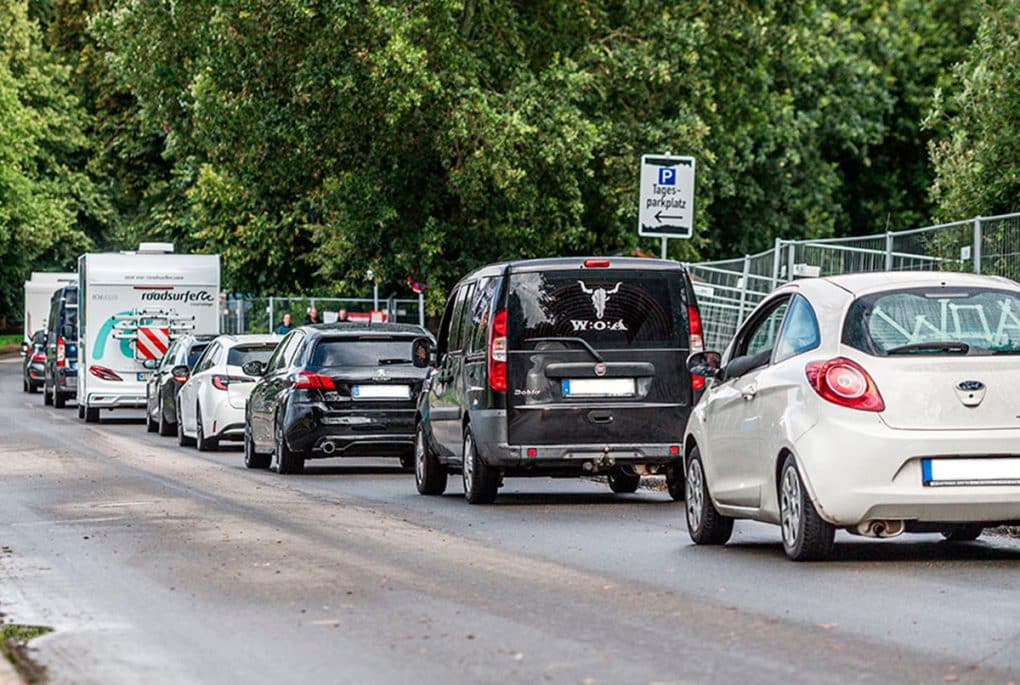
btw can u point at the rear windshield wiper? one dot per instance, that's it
(394, 360)
(568, 339)
(949, 346)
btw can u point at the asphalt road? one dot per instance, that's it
(159, 564)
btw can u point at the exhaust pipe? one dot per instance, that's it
(881, 529)
(328, 447)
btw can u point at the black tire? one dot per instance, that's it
(481, 481)
(151, 425)
(182, 439)
(407, 461)
(704, 522)
(285, 460)
(91, 414)
(59, 399)
(675, 481)
(429, 475)
(33, 387)
(81, 411)
(204, 444)
(253, 459)
(964, 533)
(623, 481)
(47, 398)
(25, 385)
(166, 429)
(806, 536)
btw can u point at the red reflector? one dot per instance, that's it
(674, 450)
(697, 382)
(596, 263)
(532, 452)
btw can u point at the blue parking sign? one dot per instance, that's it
(667, 176)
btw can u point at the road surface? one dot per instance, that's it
(159, 564)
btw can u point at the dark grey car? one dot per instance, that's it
(162, 387)
(561, 367)
(33, 366)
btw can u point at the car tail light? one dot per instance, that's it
(61, 353)
(674, 450)
(39, 357)
(308, 380)
(697, 338)
(104, 373)
(846, 383)
(596, 264)
(497, 352)
(223, 382)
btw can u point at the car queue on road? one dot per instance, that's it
(875, 404)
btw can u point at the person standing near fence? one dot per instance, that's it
(341, 315)
(285, 326)
(313, 317)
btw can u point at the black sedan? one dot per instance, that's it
(162, 387)
(339, 390)
(33, 371)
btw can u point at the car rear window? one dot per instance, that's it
(242, 354)
(360, 352)
(935, 321)
(608, 309)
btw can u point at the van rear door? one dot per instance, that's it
(597, 356)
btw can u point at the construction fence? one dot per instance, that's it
(728, 290)
(265, 314)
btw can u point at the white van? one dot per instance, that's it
(130, 306)
(38, 291)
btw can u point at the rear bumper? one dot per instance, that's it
(322, 433)
(109, 401)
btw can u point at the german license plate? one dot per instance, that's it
(381, 392)
(598, 387)
(142, 376)
(978, 471)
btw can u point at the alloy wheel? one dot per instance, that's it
(419, 456)
(468, 468)
(791, 506)
(695, 494)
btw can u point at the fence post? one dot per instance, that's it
(272, 316)
(976, 253)
(888, 250)
(743, 288)
(421, 309)
(791, 259)
(775, 261)
(240, 316)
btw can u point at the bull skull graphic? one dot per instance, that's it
(599, 297)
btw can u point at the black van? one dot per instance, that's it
(61, 375)
(560, 367)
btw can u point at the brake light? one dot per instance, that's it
(596, 264)
(697, 334)
(223, 382)
(497, 352)
(38, 357)
(104, 373)
(845, 382)
(181, 377)
(308, 380)
(61, 352)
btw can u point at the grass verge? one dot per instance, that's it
(14, 639)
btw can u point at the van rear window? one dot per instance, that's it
(608, 309)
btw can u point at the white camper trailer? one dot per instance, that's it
(130, 306)
(38, 291)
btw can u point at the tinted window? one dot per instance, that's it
(930, 321)
(479, 311)
(457, 324)
(354, 352)
(607, 308)
(291, 352)
(195, 353)
(242, 354)
(800, 330)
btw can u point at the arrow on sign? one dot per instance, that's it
(659, 216)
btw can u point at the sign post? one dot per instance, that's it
(666, 207)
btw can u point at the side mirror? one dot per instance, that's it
(180, 373)
(253, 368)
(422, 352)
(150, 364)
(67, 332)
(704, 364)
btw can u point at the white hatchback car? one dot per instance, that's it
(210, 404)
(878, 403)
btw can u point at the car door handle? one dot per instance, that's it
(749, 392)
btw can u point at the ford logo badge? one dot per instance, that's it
(970, 386)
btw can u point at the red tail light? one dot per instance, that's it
(61, 353)
(223, 382)
(697, 334)
(846, 383)
(38, 357)
(181, 378)
(596, 264)
(104, 373)
(497, 352)
(308, 380)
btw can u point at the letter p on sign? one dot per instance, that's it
(667, 176)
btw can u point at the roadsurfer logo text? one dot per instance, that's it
(188, 296)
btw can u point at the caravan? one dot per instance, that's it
(131, 305)
(38, 291)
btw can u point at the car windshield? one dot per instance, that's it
(195, 352)
(358, 352)
(596, 309)
(935, 321)
(242, 354)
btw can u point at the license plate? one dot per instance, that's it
(960, 472)
(142, 376)
(598, 387)
(381, 392)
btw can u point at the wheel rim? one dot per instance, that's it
(695, 494)
(277, 435)
(791, 506)
(468, 467)
(419, 456)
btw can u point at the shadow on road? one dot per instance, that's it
(989, 548)
(511, 499)
(358, 471)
